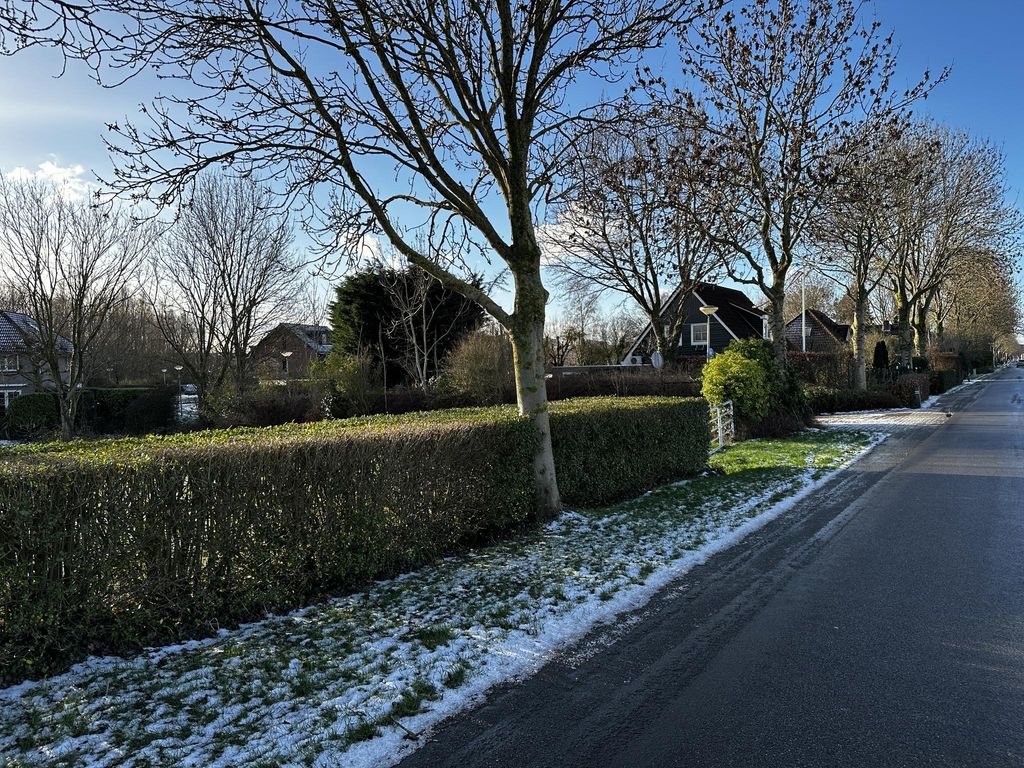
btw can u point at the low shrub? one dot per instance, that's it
(832, 400)
(33, 415)
(267, 406)
(111, 545)
(481, 368)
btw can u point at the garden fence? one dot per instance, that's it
(721, 425)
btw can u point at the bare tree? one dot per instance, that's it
(957, 211)
(223, 274)
(73, 265)
(468, 102)
(635, 221)
(426, 321)
(782, 83)
(848, 240)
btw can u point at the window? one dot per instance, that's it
(6, 396)
(807, 330)
(699, 335)
(9, 364)
(284, 365)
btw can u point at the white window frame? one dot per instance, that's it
(5, 364)
(6, 395)
(694, 342)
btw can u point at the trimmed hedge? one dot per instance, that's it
(909, 385)
(940, 381)
(607, 449)
(830, 400)
(110, 545)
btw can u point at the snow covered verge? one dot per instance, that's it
(359, 680)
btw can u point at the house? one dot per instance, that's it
(736, 317)
(288, 351)
(823, 334)
(22, 371)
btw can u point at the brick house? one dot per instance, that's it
(303, 344)
(22, 370)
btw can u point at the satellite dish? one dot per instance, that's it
(656, 359)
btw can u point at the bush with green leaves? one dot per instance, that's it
(33, 415)
(730, 375)
(609, 448)
(111, 545)
(354, 381)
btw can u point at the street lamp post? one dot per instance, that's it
(164, 372)
(803, 312)
(708, 311)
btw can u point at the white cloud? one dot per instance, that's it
(70, 180)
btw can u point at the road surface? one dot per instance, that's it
(879, 623)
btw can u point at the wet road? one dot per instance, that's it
(879, 623)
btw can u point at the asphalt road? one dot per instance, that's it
(880, 623)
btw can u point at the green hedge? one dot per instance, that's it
(607, 449)
(912, 389)
(33, 415)
(940, 381)
(110, 545)
(829, 400)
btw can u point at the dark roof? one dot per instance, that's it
(735, 309)
(840, 331)
(313, 336)
(16, 329)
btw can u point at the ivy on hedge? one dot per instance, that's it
(110, 545)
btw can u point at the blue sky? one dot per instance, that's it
(44, 119)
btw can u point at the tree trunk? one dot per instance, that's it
(661, 339)
(904, 331)
(777, 319)
(921, 330)
(860, 352)
(527, 334)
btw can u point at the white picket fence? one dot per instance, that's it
(722, 426)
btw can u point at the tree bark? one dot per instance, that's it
(904, 331)
(777, 319)
(860, 352)
(921, 328)
(527, 332)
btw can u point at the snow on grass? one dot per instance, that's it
(365, 675)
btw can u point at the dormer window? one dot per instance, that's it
(9, 364)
